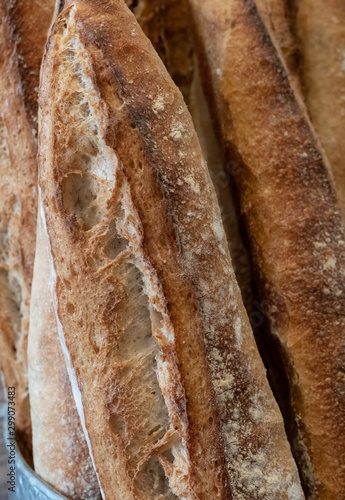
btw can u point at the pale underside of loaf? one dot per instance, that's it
(170, 388)
(61, 455)
(294, 224)
(320, 27)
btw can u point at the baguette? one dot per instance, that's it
(320, 27)
(60, 451)
(295, 228)
(23, 30)
(171, 390)
(167, 25)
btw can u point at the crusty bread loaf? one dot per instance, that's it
(171, 390)
(23, 30)
(295, 227)
(61, 455)
(320, 26)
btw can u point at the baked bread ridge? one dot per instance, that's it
(60, 451)
(129, 230)
(21, 47)
(294, 222)
(168, 27)
(221, 173)
(166, 24)
(279, 18)
(320, 28)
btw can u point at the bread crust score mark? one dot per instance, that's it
(294, 223)
(150, 315)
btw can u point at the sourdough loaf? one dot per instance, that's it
(61, 455)
(23, 30)
(295, 227)
(168, 382)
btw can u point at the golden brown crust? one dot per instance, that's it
(23, 29)
(160, 346)
(28, 24)
(320, 27)
(166, 24)
(221, 173)
(278, 17)
(294, 223)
